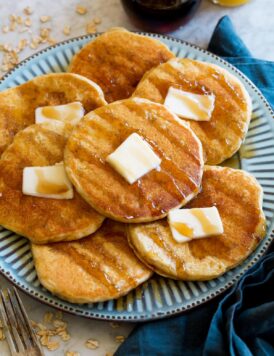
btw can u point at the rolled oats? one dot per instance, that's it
(60, 324)
(64, 335)
(120, 338)
(48, 317)
(27, 22)
(81, 10)
(53, 345)
(19, 20)
(58, 315)
(72, 353)
(2, 335)
(92, 344)
(45, 19)
(27, 10)
(90, 28)
(66, 30)
(97, 20)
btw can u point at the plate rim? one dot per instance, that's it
(147, 316)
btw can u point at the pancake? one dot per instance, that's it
(117, 60)
(222, 136)
(41, 220)
(99, 267)
(18, 104)
(152, 196)
(238, 197)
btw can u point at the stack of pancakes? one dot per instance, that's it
(113, 235)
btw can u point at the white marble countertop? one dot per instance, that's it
(254, 23)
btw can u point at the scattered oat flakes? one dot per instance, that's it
(2, 335)
(53, 345)
(120, 338)
(19, 20)
(114, 325)
(48, 317)
(44, 32)
(64, 335)
(12, 17)
(45, 19)
(58, 315)
(41, 326)
(92, 344)
(22, 44)
(28, 22)
(44, 340)
(5, 29)
(27, 10)
(33, 45)
(47, 332)
(90, 28)
(97, 20)
(12, 26)
(60, 324)
(72, 353)
(51, 41)
(66, 30)
(81, 10)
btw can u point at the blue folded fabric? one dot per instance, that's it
(241, 321)
(226, 43)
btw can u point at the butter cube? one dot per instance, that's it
(197, 223)
(190, 106)
(70, 113)
(47, 182)
(133, 158)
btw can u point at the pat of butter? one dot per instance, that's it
(69, 113)
(189, 224)
(190, 106)
(133, 158)
(47, 182)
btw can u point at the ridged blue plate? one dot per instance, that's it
(159, 297)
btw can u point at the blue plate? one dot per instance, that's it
(159, 297)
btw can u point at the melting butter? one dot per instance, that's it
(190, 106)
(47, 182)
(70, 113)
(188, 224)
(133, 158)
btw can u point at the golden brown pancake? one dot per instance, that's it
(117, 60)
(99, 267)
(17, 105)
(39, 219)
(238, 197)
(152, 196)
(222, 136)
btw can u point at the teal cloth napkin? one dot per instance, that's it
(241, 321)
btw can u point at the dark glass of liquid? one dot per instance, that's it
(160, 15)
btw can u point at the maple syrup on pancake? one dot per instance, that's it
(46, 187)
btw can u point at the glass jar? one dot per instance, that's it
(160, 15)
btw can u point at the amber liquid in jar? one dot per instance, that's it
(160, 15)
